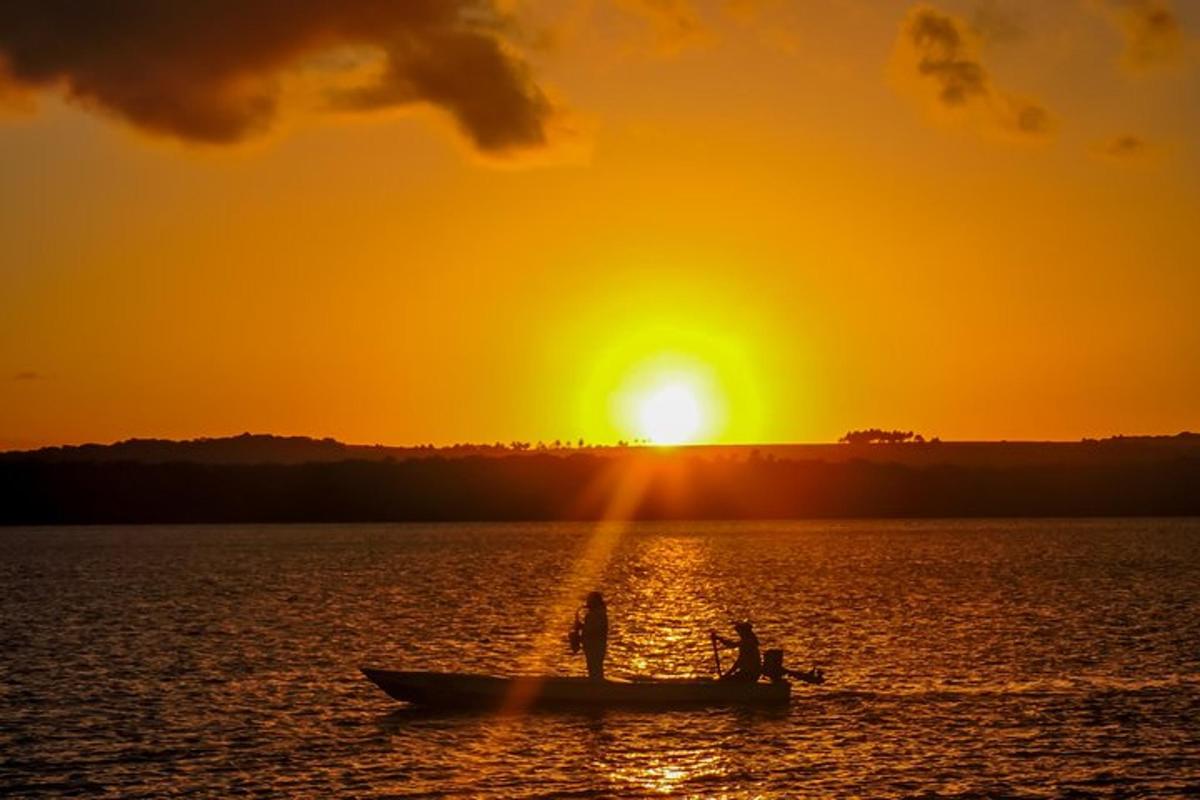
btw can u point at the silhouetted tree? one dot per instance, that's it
(877, 436)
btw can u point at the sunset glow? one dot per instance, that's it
(838, 234)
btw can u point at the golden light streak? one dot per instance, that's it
(588, 568)
(631, 481)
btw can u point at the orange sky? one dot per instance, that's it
(971, 219)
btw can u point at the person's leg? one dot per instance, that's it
(595, 664)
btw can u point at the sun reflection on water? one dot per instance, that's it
(668, 773)
(665, 623)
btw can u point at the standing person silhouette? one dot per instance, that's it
(595, 635)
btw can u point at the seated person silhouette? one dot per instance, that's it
(748, 666)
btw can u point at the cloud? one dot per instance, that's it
(28, 375)
(942, 56)
(938, 55)
(998, 24)
(676, 23)
(212, 70)
(1151, 31)
(1126, 147)
(13, 97)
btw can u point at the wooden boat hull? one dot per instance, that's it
(452, 690)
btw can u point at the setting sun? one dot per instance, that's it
(671, 398)
(670, 414)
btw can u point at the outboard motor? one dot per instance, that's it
(774, 670)
(772, 665)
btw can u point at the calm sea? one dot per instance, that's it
(1035, 658)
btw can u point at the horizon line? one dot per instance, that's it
(572, 444)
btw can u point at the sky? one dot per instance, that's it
(492, 220)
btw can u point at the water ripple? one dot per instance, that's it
(966, 659)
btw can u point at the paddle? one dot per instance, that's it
(712, 635)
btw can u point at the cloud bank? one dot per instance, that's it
(938, 55)
(211, 70)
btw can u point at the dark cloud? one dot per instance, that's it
(941, 51)
(1126, 147)
(942, 56)
(1033, 119)
(211, 70)
(27, 375)
(1151, 31)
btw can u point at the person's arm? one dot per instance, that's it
(726, 643)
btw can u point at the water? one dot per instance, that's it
(1040, 658)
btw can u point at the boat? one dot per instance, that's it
(463, 691)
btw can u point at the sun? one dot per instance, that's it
(643, 391)
(670, 414)
(669, 398)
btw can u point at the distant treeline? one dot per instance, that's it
(873, 444)
(645, 485)
(265, 448)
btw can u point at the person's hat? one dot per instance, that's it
(744, 625)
